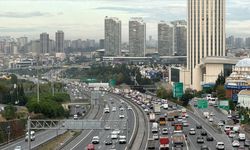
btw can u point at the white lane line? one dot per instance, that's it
(186, 144)
(204, 128)
(86, 135)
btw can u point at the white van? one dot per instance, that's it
(154, 127)
(242, 137)
(32, 136)
(106, 109)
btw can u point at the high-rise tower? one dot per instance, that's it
(206, 34)
(59, 42)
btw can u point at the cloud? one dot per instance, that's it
(24, 14)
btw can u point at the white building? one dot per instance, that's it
(244, 98)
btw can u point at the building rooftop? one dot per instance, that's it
(244, 92)
(220, 60)
(243, 63)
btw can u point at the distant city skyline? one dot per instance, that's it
(84, 19)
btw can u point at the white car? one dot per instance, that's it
(122, 139)
(107, 127)
(192, 131)
(18, 148)
(236, 143)
(220, 124)
(155, 136)
(95, 140)
(242, 136)
(129, 108)
(121, 116)
(211, 119)
(121, 109)
(113, 109)
(164, 130)
(211, 114)
(220, 145)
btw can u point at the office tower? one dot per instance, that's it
(247, 43)
(230, 42)
(44, 42)
(35, 47)
(180, 39)
(206, 34)
(113, 34)
(52, 46)
(22, 44)
(165, 39)
(239, 43)
(59, 42)
(137, 37)
(101, 44)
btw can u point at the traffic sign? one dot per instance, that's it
(202, 103)
(178, 89)
(224, 104)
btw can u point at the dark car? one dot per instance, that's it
(200, 139)
(108, 141)
(203, 133)
(247, 143)
(198, 126)
(210, 138)
(204, 147)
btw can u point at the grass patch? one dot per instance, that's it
(57, 142)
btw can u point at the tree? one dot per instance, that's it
(187, 96)
(220, 80)
(221, 92)
(9, 112)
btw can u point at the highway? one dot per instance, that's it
(118, 123)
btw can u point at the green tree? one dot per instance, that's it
(9, 112)
(221, 92)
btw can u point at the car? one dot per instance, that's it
(108, 141)
(121, 116)
(200, 139)
(232, 134)
(220, 145)
(204, 147)
(18, 148)
(242, 136)
(236, 143)
(164, 130)
(192, 131)
(185, 124)
(155, 136)
(210, 138)
(211, 114)
(95, 140)
(107, 127)
(229, 116)
(241, 147)
(121, 109)
(220, 123)
(146, 110)
(122, 139)
(129, 108)
(113, 109)
(75, 117)
(203, 133)
(247, 143)
(198, 126)
(210, 119)
(227, 128)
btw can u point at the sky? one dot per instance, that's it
(85, 18)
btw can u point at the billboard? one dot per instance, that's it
(224, 104)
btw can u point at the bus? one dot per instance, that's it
(162, 120)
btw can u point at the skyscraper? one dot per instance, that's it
(44, 42)
(239, 42)
(59, 42)
(112, 42)
(165, 39)
(247, 42)
(137, 37)
(180, 40)
(206, 34)
(230, 42)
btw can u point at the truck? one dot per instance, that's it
(157, 108)
(152, 117)
(206, 114)
(155, 127)
(174, 114)
(164, 143)
(178, 139)
(151, 143)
